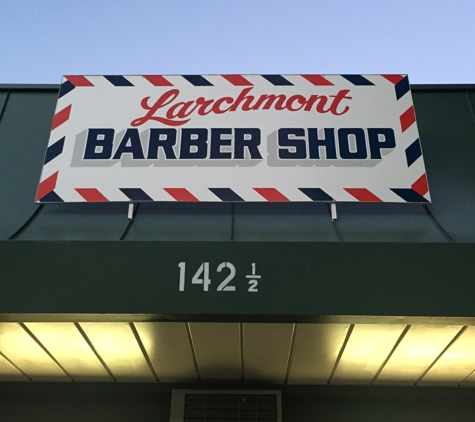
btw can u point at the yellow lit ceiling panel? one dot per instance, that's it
(419, 348)
(456, 364)
(315, 350)
(20, 348)
(70, 349)
(266, 350)
(367, 349)
(116, 344)
(313, 353)
(218, 350)
(469, 381)
(9, 372)
(168, 346)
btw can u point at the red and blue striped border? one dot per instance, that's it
(73, 81)
(416, 193)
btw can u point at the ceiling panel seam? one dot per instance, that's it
(193, 352)
(5, 103)
(291, 353)
(462, 330)
(342, 350)
(447, 236)
(466, 378)
(89, 343)
(144, 352)
(15, 366)
(22, 325)
(401, 337)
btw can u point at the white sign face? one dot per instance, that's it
(343, 138)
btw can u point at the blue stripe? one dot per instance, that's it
(413, 152)
(51, 197)
(54, 150)
(135, 194)
(278, 80)
(226, 194)
(316, 194)
(409, 195)
(357, 80)
(402, 87)
(65, 88)
(118, 80)
(197, 80)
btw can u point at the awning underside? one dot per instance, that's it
(420, 354)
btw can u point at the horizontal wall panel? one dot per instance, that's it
(116, 345)
(83, 221)
(297, 278)
(315, 351)
(70, 349)
(450, 170)
(218, 350)
(181, 222)
(266, 350)
(24, 131)
(283, 222)
(372, 222)
(169, 349)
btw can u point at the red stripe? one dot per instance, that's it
(271, 194)
(363, 195)
(157, 80)
(317, 80)
(181, 194)
(393, 78)
(78, 80)
(91, 195)
(407, 118)
(46, 186)
(420, 185)
(237, 80)
(60, 117)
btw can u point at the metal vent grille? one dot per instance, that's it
(230, 408)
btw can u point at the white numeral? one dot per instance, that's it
(205, 281)
(253, 286)
(232, 272)
(182, 266)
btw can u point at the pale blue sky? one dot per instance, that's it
(432, 41)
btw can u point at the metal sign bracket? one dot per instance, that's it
(333, 211)
(130, 213)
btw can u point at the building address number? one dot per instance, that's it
(227, 284)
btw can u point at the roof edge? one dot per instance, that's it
(414, 87)
(443, 87)
(30, 87)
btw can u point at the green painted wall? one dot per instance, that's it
(306, 279)
(151, 403)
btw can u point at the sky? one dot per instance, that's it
(432, 41)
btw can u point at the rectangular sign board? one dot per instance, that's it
(212, 138)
